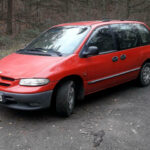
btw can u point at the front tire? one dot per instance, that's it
(144, 76)
(65, 98)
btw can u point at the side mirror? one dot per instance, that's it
(91, 51)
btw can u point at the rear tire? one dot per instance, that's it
(65, 98)
(144, 76)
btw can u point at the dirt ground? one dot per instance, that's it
(114, 119)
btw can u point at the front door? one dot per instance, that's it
(102, 67)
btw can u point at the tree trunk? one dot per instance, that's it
(67, 11)
(9, 16)
(104, 9)
(128, 9)
(2, 8)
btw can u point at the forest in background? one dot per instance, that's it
(22, 20)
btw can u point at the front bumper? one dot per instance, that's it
(26, 101)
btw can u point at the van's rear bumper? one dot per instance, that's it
(29, 102)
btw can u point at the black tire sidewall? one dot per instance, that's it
(62, 104)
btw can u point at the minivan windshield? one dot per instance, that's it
(60, 41)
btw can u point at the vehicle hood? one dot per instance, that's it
(26, 66)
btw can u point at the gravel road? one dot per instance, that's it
(114, 119)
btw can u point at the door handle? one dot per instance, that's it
(123, 57)
(115, 58)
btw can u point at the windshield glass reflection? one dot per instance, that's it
(63, 40)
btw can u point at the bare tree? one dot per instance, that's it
(28, 14)
(9, 29)
(133, 8)
(128, 9)
(104, 9)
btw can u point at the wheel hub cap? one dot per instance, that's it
(146, 74)
(71, 95)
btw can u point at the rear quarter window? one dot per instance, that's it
(126, 36)
(144, 33)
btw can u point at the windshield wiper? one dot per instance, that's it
(31, 49)
(45, 51)
(34, 51)
(55, 52)
(48, 52)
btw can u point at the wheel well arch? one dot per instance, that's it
(79, 86)
(147, 60)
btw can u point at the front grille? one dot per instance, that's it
(4, 84)
(6, 81)
(6, 78)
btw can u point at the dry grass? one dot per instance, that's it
(12, 48)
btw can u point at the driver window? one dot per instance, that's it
(102, 38)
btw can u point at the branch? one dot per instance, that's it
(138, 4)
(140, 9)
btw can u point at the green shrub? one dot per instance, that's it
(9, 44)
(27, 35)
(5, 41)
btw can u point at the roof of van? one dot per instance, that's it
(97, 22)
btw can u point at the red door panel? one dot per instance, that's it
(129, 65)
(100, 70)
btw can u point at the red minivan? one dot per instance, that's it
(72, 60)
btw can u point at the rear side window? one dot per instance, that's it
(126, 35)
(102, 38)
(144, 33)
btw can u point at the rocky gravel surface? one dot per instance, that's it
(114, 119)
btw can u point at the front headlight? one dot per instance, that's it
(33, 82)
